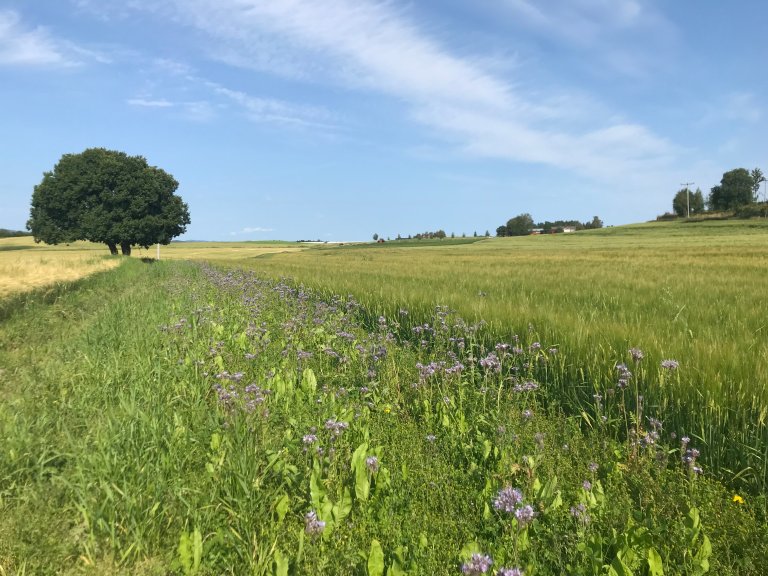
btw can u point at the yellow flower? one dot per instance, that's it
(738, 499)
(387, 409)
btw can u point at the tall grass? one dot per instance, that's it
(692, 292)
(172, 418)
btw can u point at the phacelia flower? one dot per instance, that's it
(478, 564)
(525, 515)
(670, 364)
(507, 499)
(312, 525)
(372, 463)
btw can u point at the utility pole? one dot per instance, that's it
(688, 195)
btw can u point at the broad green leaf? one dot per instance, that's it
(281, 564)
(309, 382)
(316, 491)
(197, 549)
(281, 506)
(343, 507)
(376, 559)
(620, 568)
(358, 456)
(362, 483)
(655, 565)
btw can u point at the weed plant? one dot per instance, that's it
(189, 419)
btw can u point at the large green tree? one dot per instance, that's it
(107, 196)
(736, 188)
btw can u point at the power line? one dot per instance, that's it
(688, 195)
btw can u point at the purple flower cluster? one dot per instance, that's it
(670, 364)
(312, 525)
(478, 564)
(510, 501)
(636, 354)
(624, 376)
(335, 427)
(372, 463)
(510, 572)
(491, 363)
(527, 386)
(580, 513)
(427, 370)
(507, 499)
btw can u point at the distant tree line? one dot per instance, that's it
(5, 233)
(738, 189)
(523, 224)
(438, 234)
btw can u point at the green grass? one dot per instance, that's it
(124, 451)
(695, 292)
(119, 455)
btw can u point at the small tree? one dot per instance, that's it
(680, 202)
(757, 179)
(520, 225)
(375, 237)
(107, 196)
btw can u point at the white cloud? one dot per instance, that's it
(271, 110)
(251, 230)
(366, 45)
(24, 46)
(147, 103)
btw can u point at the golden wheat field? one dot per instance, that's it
(25, 265)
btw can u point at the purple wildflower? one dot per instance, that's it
(670, 364)
(636, 354)
(510, 572)
(478, 564)
(372, 463)
(507, 499)
(335, 427)
(525, 515)
(312, 525)
(587, 485)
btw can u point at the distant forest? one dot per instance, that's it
(12, 233)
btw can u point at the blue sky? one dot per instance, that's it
(335, 119)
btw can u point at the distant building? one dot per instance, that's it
(537, 231)
(568, 229)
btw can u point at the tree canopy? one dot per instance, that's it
(737, 188)
(107, 196)
(684, 198)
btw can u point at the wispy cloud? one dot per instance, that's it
(366, 45)
(271, 110)
(146, 103)
(181, 77)
(251, 230)
(24, 45)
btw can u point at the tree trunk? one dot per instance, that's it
(112, 248)
(126, 248)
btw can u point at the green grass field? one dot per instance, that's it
(183, 418)
(693, 292)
